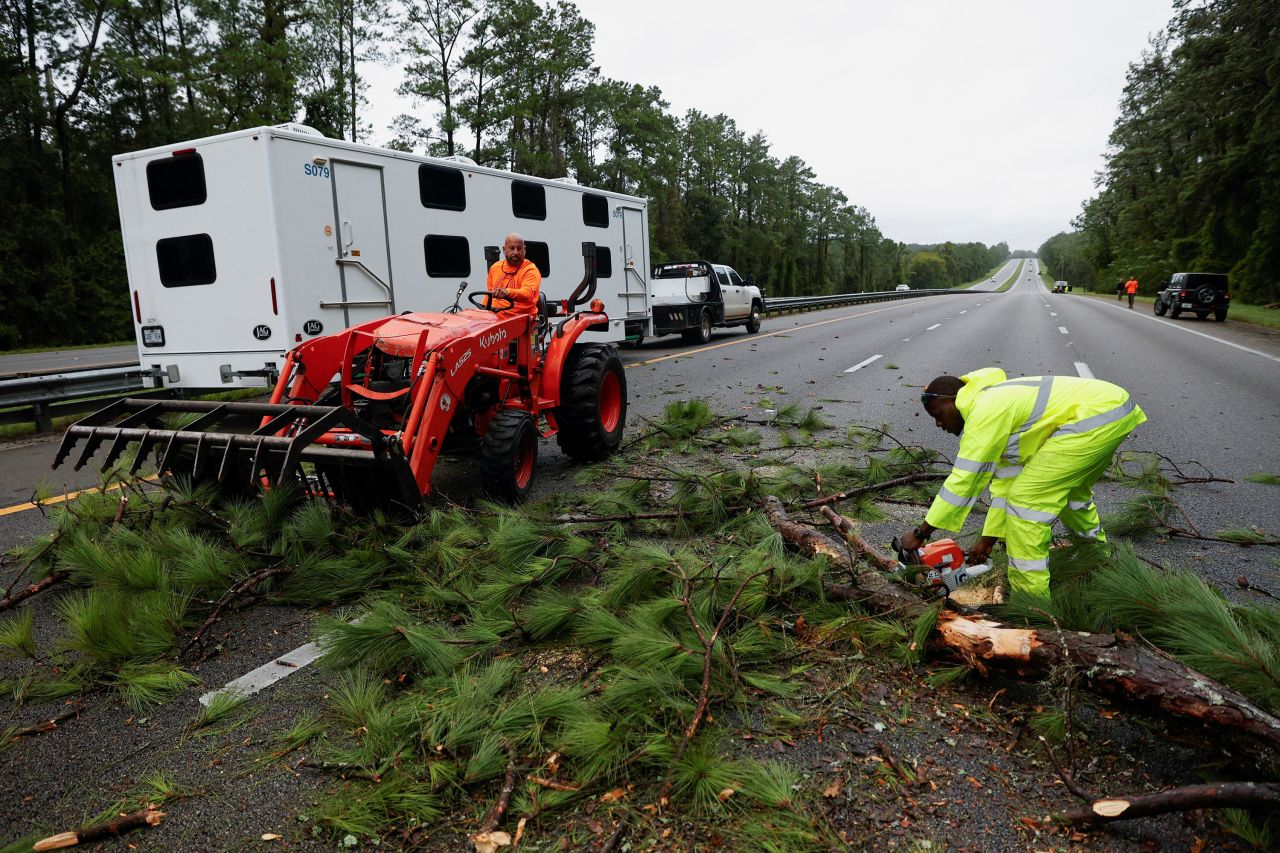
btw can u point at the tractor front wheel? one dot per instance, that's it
(509, 456)
(593, 403)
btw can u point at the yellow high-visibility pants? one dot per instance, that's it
(1057, 483)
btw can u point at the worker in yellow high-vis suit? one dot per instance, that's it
(1041, 442)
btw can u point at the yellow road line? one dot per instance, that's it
(16, 508)
(752, 338)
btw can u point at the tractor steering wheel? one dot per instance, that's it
(488, 298)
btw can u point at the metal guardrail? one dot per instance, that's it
(39, 398)
(42, 397)
(787, 304)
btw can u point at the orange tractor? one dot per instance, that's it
(361, 416)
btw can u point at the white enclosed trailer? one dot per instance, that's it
(242, 245)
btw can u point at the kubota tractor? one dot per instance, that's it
(361, 416)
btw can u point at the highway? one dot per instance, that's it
(1211, 391)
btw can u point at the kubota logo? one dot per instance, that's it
(489, 340)
(462, 359)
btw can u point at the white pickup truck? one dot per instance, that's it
(694, 297)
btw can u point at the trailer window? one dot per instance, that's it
(176, 181)
(441, 187)
(528, 200)
(447, 257)
(540, 254)
(604, 262)
(186, 261)
(595, 210)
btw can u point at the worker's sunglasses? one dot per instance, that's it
(926, 396)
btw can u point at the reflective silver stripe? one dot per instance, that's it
(1029, 565)
(1092, 533)
(1037, 412)
(1008, 471)
(1000, 504)
(1026, 514)
(1079, 505)
(1031, 383)
(972, 466)
(1097, 420)
(954, 499)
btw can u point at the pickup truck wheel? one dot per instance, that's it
(1175, 310)
(1161, 308)
(593, 403)
(509, 456)
(1220, 315)
(753, 321)
(702, 333)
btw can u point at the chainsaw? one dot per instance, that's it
(938, 566)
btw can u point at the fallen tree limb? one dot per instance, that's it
(1224, 795)
(926, 477)
(144, 817)
(1110, 665)
(45, 725)
(34, 589)
(246, 585)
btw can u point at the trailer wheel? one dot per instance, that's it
(753, 321)
(509, 456)
(593, 403)
(701, 334)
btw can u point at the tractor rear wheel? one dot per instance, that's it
(509, 456)
(593, 403)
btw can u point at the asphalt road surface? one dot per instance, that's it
(1211, 391)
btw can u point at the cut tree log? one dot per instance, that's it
(149, 816)
(1224, 795)
(1110, 665)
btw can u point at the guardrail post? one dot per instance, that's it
(40, 413)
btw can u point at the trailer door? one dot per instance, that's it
(635, 290)
(364, 251)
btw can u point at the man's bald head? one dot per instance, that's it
(513, 249)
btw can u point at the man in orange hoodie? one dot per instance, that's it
(515, 278)
(1131, 288)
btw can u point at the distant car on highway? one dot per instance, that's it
(902, 287)
(1059, 287)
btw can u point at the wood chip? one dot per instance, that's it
(1110, 808)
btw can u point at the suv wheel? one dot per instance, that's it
(1160, 307)
(1174, 310)
(1220, 315)
(1206, 295)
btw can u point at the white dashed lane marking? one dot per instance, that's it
(864, 363)
(934, 326)
(1063, 329)
(1083, 370)
(267, 674)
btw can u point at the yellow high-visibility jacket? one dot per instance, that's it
(1007, 421)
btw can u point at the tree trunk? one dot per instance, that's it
(1117, 667)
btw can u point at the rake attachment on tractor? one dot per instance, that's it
(242, 446)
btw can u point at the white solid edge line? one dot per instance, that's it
(267, 674)
(965, 311)
(864, 363)
(1063, 329)
(1083, 370)
(1170, 325)
(934, 326)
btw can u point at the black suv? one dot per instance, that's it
(1204, 293)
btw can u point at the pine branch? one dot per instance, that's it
(928, 476)
(46, 725)
(245, 586)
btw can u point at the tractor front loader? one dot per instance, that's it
(361, 416)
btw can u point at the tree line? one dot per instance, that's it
(509, 84)
(1192, 174)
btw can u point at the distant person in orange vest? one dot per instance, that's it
(1131, 288)
(515, 278)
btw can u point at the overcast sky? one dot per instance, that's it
(964, 120)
